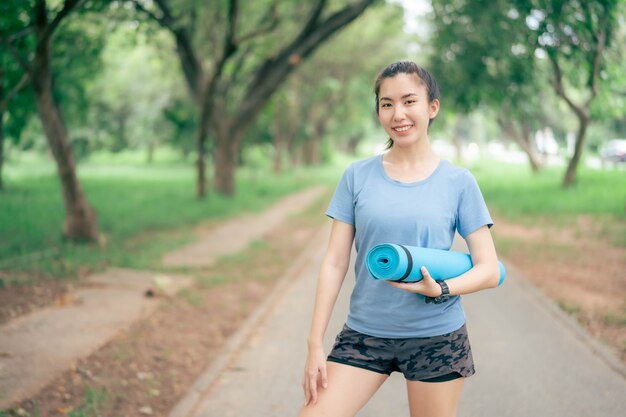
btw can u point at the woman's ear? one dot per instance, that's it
(434, 108)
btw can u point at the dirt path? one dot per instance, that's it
(37, 348)
(236, 234)
(576, 268)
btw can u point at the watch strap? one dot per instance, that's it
(445, 291)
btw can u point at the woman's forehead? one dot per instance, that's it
(402, 84)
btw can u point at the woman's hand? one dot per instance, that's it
(314, 374)
(427, 286)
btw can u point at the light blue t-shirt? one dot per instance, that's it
(424, 213)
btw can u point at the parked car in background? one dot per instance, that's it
(614, 151)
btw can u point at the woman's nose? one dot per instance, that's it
(399, 113)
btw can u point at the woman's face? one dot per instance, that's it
(404, 110)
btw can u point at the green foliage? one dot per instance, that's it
(474, 54)
(77, 62)
(13, 21)
(501, 53)
(136, 98)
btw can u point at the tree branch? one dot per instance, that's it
(230, 43)
(597, 59)
(272, 22)
(191, 65)
(16, 89)
(24, 32)
(68, 6)
(165, 21)
(24, 64)
(557, 83)
(274, 70)
(314, 18)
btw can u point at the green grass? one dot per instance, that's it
(143, 211)
(514, 192)
(91, 406)
(569, 308)
(615, 318)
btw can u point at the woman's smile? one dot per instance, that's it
(402, 129)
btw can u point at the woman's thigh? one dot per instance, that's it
(434, 399)
(349, 389)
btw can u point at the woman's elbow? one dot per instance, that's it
(493, 275)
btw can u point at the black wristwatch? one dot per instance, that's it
(445, 291)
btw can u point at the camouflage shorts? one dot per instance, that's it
(419, 359)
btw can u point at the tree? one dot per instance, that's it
(480, 59)
(331, 95)
(506, 45)
(247, 66)
(12, 81)
(80, 217)
(574, 37)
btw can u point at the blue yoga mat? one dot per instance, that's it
(392, 262)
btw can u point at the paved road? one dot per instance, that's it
(530, 359)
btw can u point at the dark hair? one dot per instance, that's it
(407, 67)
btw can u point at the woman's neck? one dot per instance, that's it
(411, 156)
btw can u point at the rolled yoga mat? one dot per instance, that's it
(392, 262)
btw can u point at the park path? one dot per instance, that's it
(531, 359)
(38, 347)
(234, 235)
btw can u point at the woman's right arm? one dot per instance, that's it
(332, 273)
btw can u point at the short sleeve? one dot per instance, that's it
(472, 211)
(341, 206)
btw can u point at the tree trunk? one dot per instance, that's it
(224, 159)
(227, 146)
(570, 173)
(523, 141)
(150, 153)
(352, 144)
(201, 149)
(311, 148)
(1, 145)
(80, 218)
(279, 150)
(1, 130)
(120, 142)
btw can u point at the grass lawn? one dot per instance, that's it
(514, 192)
(143, 210)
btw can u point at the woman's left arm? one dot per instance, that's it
(485, 272)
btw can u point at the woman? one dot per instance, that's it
(406, 196)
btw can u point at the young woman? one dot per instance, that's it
(406, 196)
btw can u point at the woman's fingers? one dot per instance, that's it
(312, 377)
(426, 275)
(305, 387)
(324, 376)
(426, 286)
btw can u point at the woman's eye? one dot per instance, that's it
(409, 101)
(384, 105)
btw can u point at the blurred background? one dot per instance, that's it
(123, 123)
